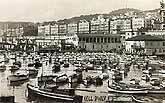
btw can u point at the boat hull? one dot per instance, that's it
(156, 91)
(37, 91)
(128, 91)
(13, 78)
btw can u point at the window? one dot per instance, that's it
(79, 39)
(94, 40)
(87, 40)
(158, 43)
(163, 43)
(90, 40)
(115, 40)
(105, 40)
(151, 43)
(164, 50)
(98, 40)
(101, 40)
(109, 40)
(112, 40)
(83, 39)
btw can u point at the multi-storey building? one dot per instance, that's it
(83, 27)
(62, 28)
(54, 29)
(148, 45)
(99, 42)
(41, 30)
(137, 23)
(46, 30)
(73, 28)
(99, 25)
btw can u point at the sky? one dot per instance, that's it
(48, 10)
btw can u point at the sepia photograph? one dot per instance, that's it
(82, 51)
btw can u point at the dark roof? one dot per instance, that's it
(98, 35)
(145, 38)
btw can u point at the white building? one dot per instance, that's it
(72, 28)
(83, 27)
(137, 23)
(46, 30)
(99, 25)
(54, 29)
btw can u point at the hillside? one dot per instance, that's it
(14, 24)
(107, 15)
(125, 10)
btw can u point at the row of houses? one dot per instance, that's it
(99, 25)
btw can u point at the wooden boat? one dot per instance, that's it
(61, 79)
(145, 99)
(17, 77)
(129, 91)
(32, 71)
(2, 67)
(17, 63)
(157, 91)
(55, 93)
(46, 78)
(66, 65)
(124, 89)
(13, 68)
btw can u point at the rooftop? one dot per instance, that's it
(98, 35)
(145, 38)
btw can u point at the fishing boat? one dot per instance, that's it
(55, 93)
(125, 89)
(13, 68)
(17, 63)
(17, 77)
(32, 71)
(2, 68)
(66, 65)
(46, 78)
(145, 99)
(61, 79)
(157, 91)
(128, 91)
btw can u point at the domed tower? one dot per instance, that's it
(162, 15)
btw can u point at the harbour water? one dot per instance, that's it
(19, 89)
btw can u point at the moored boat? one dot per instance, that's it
(46, 78)
(157, 91)
(133, 91)
(32, 71)
(17, 77)
(125, 89)
(55, 93)
(2, 67)
(13, 68)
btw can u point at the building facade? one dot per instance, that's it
(99, 42)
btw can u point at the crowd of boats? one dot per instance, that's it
(53, 71)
